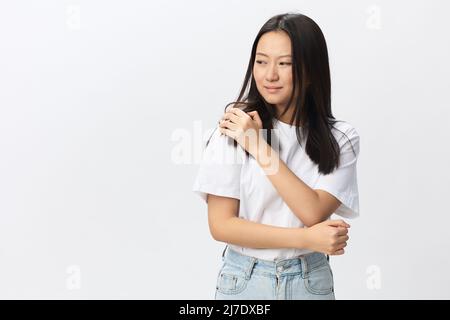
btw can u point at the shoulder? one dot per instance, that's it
(221, 148)
(216, 139)
(346, 136)
(344, 130)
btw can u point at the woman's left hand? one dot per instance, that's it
(244, 127)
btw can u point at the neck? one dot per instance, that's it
(286, 118)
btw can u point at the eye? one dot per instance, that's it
(286, 63)
(260, 61)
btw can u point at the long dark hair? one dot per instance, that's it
(311, 73)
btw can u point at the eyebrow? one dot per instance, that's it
(263, 54)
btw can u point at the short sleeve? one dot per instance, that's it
(342, 182)
(220, 168)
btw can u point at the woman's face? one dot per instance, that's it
(273, 68)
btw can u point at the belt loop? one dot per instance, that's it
(223, 253)
(304, 266)
(249, 270)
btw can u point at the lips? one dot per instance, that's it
(272, 89)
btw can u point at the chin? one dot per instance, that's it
(272, 100)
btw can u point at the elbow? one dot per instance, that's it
(215, 235)
(219, 236)
(217, 232)
(312, 219)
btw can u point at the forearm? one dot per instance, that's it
(251, 234)
(298, 196)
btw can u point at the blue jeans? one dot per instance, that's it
(305, 277)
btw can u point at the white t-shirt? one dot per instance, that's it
(225, 171)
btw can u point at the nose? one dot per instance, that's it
(272, 73)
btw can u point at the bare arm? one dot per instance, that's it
(257, 235)
(309, 205)
(226, 226)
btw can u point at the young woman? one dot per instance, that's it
(270, 195)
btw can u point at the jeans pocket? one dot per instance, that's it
(231, 280)
(319, 280)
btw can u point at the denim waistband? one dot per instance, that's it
(302, 263)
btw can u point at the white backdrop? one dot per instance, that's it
(95, 97)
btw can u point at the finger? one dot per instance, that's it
(339, 244)
(342, 246)
(337, 223)
(231, 116)
(342, 231)
(227, 132)
(343, 238)
(255, 116)
(341, 222)
(239, 112)
(228, 124)
(338, 252)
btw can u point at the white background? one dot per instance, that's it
(93, 203)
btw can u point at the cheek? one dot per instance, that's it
(257, 75)
(287, 78)
(287, 83)
(259, 80)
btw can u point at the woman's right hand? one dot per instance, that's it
(329, 237)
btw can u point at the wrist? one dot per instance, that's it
(302, 238)
(267, 158)
(262, 152)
